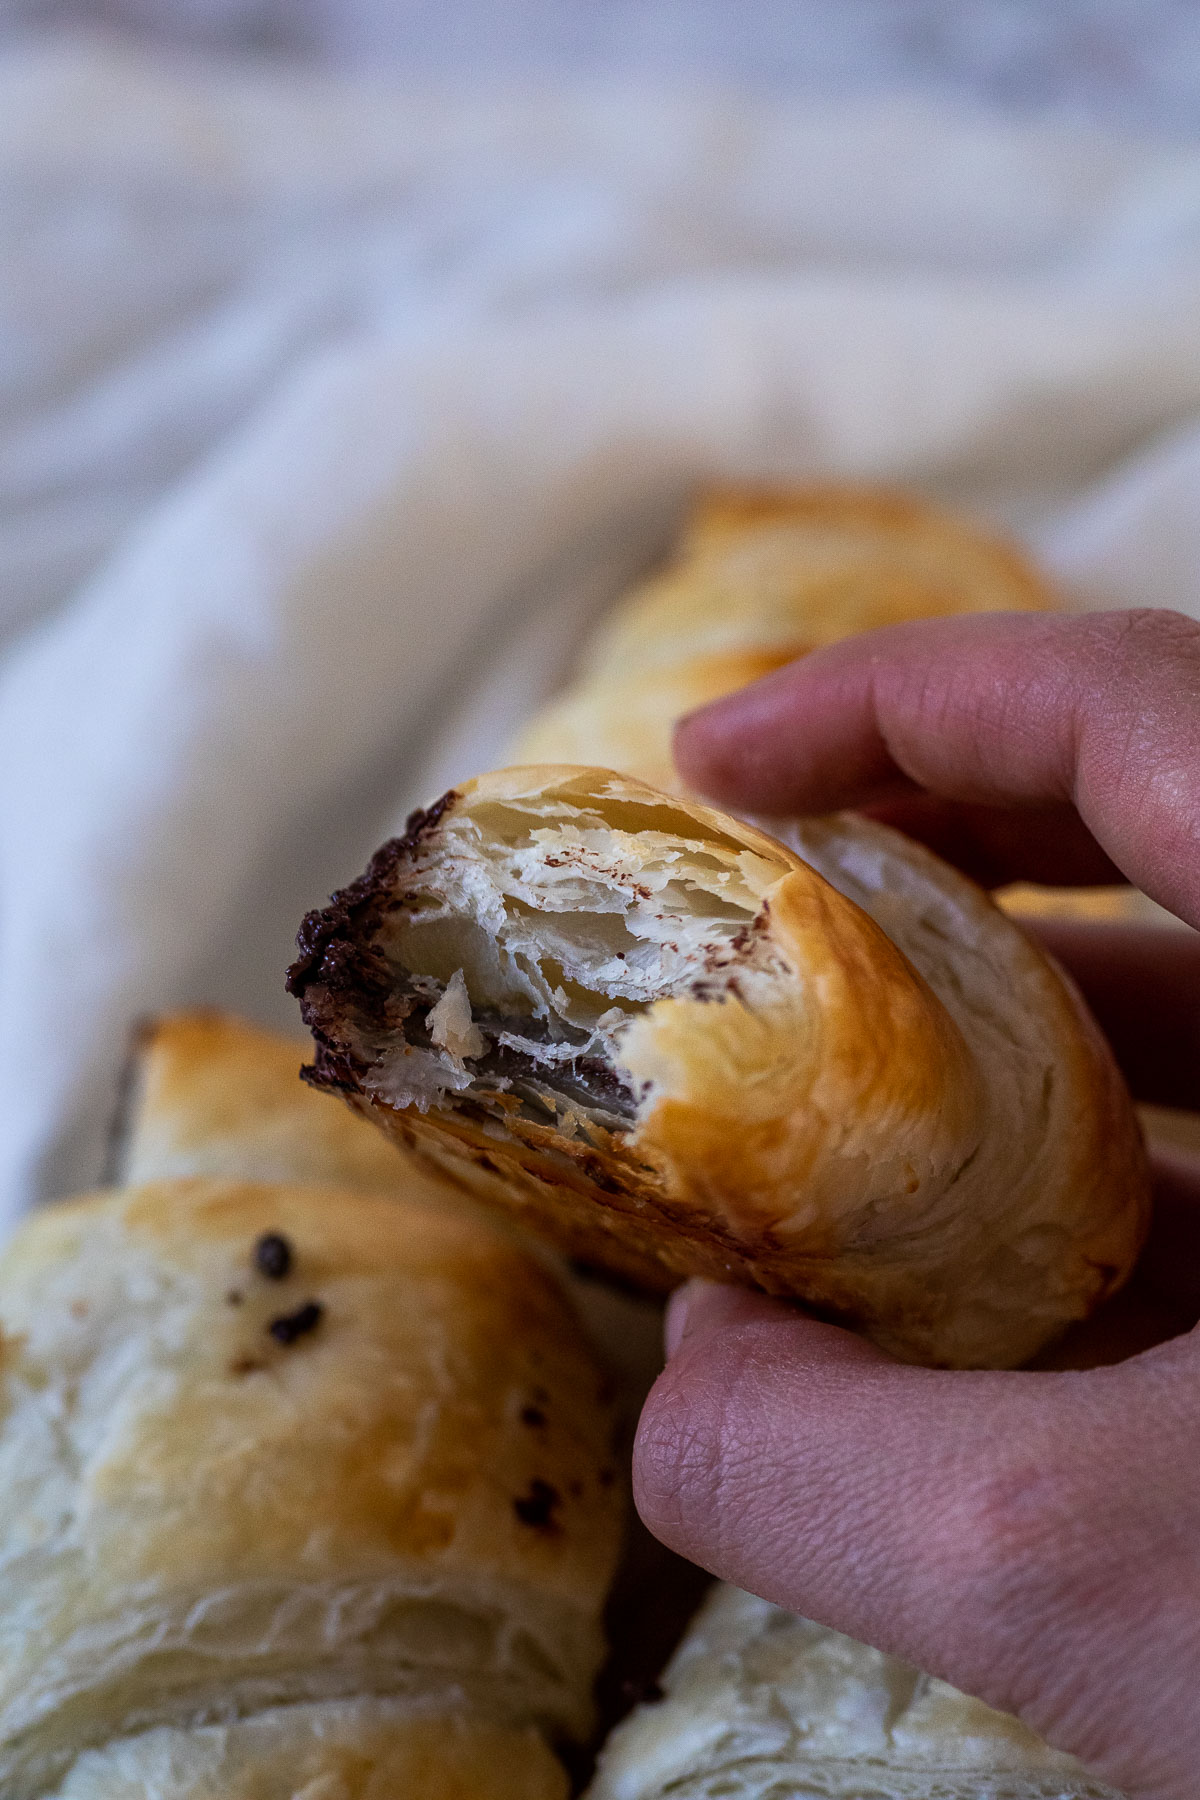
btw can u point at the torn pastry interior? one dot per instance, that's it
(664, 1040)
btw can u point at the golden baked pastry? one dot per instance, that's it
(780, 572)
(300, 1492)
(667, 1041)
(760, 1704)
(210, 1094)
(759, 578)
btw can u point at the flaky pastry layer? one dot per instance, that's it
(377, 1749)
(759, 1704)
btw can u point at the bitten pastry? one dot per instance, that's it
(673, 1045)
(760, 1704)
(301, 1492)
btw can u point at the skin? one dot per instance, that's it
(1032, 1537)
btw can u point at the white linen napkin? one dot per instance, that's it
(331, 411)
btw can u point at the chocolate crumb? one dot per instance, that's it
(233, 1298)
(245, 1365)
(273, 1256)
(537, 1507)
(533, 1415)
(290, 1326)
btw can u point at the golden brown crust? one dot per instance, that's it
(628, 724)
(946, 1158)
(760, 577)
(790, 570)
(214, 1095)
(272, 1445)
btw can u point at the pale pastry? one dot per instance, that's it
(664, 1039)
(374, 1749)
(302, 1493)
(762, 1705)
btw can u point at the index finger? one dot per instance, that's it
(1101, 713)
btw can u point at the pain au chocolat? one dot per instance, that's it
(302, 1493)
(676, 1046)
(758, 1704)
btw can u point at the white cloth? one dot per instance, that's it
(329, 412)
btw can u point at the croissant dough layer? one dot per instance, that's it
(760, 1705)
(760, 577)
(208, 1094)
(343, 1750)
(267, 1446)
(784, 571)
(661, 1036)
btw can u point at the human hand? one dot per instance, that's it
(1032, 1537)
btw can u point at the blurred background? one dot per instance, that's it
(1136, 62)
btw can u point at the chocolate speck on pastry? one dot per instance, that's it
(290, 1326)
(273, 1256)
(538, 1506)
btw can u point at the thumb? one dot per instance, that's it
(967, 1521)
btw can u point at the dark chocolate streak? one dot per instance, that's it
(585, 1081)
(330, 938)
(339, 972)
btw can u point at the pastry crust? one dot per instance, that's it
(272, 1447)
(759, 1703)
(342, 1750)
(787, 570)
(208, 1094)
(213, 1095)
(759, 578)
(666, 1040)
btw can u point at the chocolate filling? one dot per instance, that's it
(553, 1083)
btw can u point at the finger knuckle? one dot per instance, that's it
(1146, 634)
